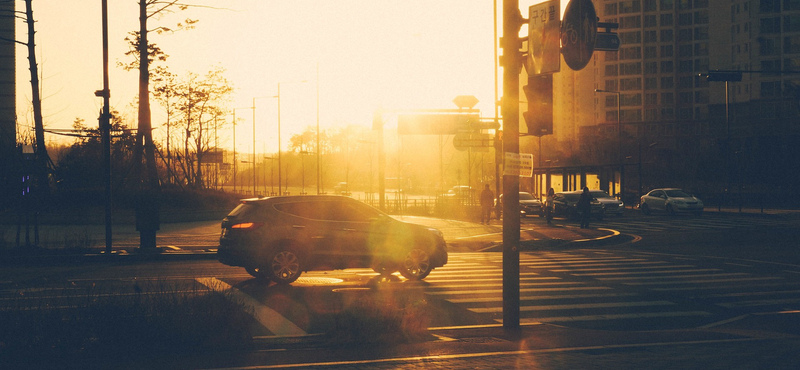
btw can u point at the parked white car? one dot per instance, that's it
(671, 201)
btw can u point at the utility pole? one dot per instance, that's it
(105, 128)
(512, 65)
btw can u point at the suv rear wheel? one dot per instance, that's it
(416, 264)
(284, 267)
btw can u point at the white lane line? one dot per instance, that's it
(466, 356)
(705, 281)
(720, 287)
(757, 303)
(646, 315)
(268, 317)
(532, 290)
(639, 266)
(675, 276)
(645, 272)
(749, 294)
(575, 306)
(436, 282)
(541, 297)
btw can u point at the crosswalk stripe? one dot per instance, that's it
(645, 272)
(644, 315)
(674, 276)
(524, 290)
(662, 265)
(576, 306)
(756, 303)
(542, 297)
(705, 281)
(483, 280)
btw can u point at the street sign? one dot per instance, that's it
(518, 164)
(465, 140)
(465, 101)
(727, 76)
(434, 124)
(607, 41)
(544, 31)
(578, 33)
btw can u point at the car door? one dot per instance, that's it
(659, 201)
(351, 227)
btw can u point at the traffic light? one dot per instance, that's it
(539, 116)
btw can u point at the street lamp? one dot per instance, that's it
(279, 133)
(271, 175)
(619, 139)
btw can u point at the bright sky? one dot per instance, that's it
(395, 54)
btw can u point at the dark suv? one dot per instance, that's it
(278, 238)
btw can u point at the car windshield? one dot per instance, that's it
(600, 194)
(525, 196)
(677, 194)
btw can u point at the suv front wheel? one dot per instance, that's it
(416, 264)
(284, 267)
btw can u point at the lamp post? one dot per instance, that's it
(619, 139)
(234, 151)
(279, 134)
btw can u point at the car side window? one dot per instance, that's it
(300, 209)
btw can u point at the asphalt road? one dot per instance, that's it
(718, 292)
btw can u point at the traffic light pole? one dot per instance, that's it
(512, 64)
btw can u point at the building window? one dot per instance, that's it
(684, 4)
(685, 98)
(667, 4)
(770, 65)
(700, 4)
(791, 64)
(650, 52)
(667, 36)
(627, 38)
(700, 82)
(611, 70)
(627, 69)
(685, 114)
(701, 17)
(769, 6)
(666, 20)
(611, 85)
(685, 51)
(651, 83)
(791, 44)
(791, 5)
(667, 98)
(685, 19)
(627, 84)
(685, 35)
(667, 66)
(650, 36)
(791, 23)
(667, 51)
(631, 100)
(768, 47)
(630, 6)
(667, 82)
(650, 5)
(610, 9)
(770, 89)
(770, 25)
(685, 66)
(701, 33)
(651, 67)
(630, 53)
(630, 22)
(701, 97)
(701, 49)
(651, 115)
(667, 114)
(701, 65)
(685, 82)
(650, 20)
(651, 99)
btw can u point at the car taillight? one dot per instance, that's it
(248, 225)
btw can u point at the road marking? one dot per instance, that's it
(627, 316)
(541, 297)
(268, 317)
(674, 277)
(576, 306)
(645, 272)
(532, 290)
(639, 266)
(705, 281)
(757, 303)
(441, 357)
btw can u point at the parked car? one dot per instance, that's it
(565, 205)
(611, 205)
(278, 238)
(461, 192)
(671, 201)
(528, 204)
